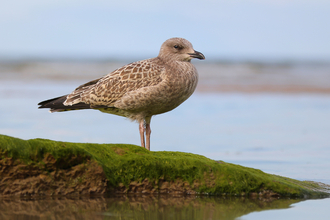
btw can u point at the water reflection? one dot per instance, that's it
(137, 207)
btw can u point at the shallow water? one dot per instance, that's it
(140, 207)
(310, 209)
(162, 207)
(280, 133)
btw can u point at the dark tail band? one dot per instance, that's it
(56, 105)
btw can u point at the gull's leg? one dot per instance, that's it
(148, 132)
(141, 129)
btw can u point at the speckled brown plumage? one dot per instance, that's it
(139, 90)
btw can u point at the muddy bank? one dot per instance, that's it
(50, 177)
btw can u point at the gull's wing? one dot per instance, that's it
(110, 88)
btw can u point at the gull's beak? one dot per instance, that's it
(197, 55)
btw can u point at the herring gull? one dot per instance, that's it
(139, 90)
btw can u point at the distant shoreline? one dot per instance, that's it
(214, 77)
(284, 89)
(229, 61)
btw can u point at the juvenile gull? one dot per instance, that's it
(139, 90)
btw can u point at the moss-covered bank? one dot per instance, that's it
(57, 166)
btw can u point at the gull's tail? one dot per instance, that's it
(56, 105)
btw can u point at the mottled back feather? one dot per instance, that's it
(108, 89)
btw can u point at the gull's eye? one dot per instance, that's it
(176, 46)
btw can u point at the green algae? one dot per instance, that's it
(123, 163)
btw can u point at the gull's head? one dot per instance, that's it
(179, 49)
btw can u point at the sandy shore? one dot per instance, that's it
(261, 88)
(214, 77)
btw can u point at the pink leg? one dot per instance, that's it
(148, 132)
(141, 129)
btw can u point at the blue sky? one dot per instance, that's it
(221, 29)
